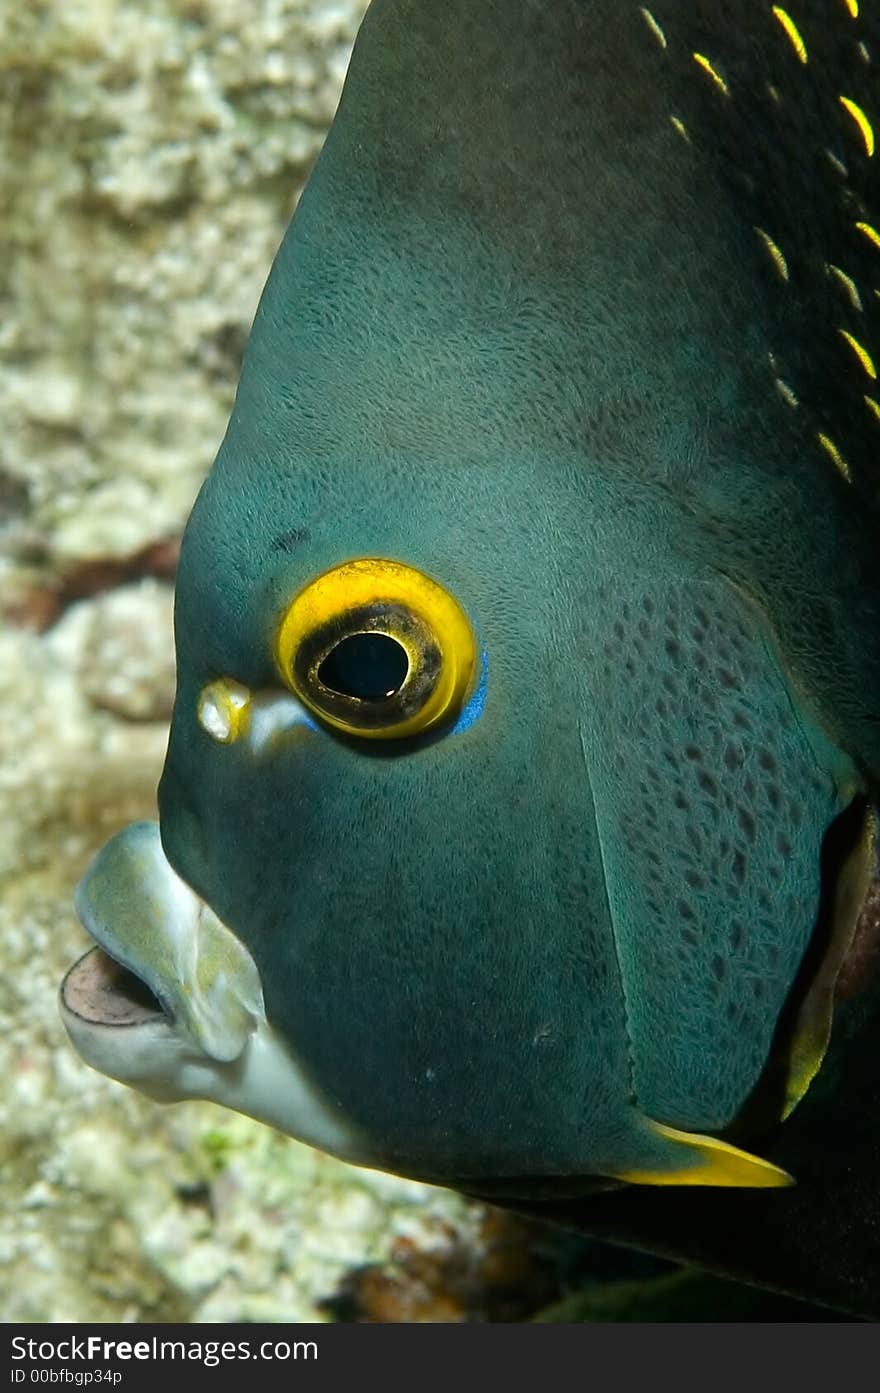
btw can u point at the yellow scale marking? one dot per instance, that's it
(861, 353)
(831, 449)
(848, 284)
(779, 260)
(866, 130)
(654, 26)
(861, 120)
(791, 31)
(715, 75)
(870, 232)
(785, 392)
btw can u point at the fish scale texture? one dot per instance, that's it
(712, 796)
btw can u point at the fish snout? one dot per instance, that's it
(171, 1002)
(167, 981)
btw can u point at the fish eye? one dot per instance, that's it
(377, 649)
(365, 666)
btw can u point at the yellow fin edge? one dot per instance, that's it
(708, 1161)
(813, 1028)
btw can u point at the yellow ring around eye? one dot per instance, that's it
(369, 584)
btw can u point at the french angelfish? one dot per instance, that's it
(517, 812)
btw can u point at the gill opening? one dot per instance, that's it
(627, 1016)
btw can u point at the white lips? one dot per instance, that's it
(149, 920)
(205, 1035)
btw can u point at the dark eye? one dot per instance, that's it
(366, 666)
(377, 649)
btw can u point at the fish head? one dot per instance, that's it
(513, 713)
(357, 842)
(425, 869)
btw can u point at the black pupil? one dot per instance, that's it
(366, 666)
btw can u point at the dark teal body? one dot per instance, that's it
(519, 336)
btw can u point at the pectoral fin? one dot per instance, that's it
(812, 1029)
(702, 1160)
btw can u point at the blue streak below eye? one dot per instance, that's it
(474, 709)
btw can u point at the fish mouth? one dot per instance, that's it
(98, 990)
(168, 989)
(170, 1001)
